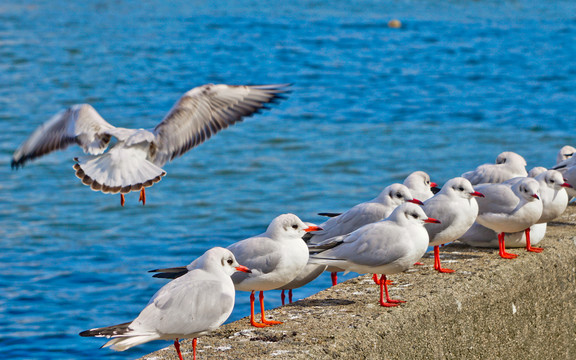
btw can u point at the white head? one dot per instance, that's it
(459, 187)
(419, 183)
(553, 179)
(219, 259)
(528, 189)
(396, 194)
(565, 153)
(535, 171)
(411, 214)
(288, 226)
(511, 159)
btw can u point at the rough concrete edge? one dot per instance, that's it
(489, 308)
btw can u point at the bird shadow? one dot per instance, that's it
(321, 302)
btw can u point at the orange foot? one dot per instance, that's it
(507, 255)
(534, 249)
(271, 322)
(142, 196)
(418, 263)
(377, 280)
(444, 270)
(258, 325)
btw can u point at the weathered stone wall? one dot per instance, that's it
(491, 308)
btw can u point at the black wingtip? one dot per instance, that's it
(329, 214)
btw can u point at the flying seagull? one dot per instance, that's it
(134, 162)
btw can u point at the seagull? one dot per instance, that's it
(362, 214)
(509, 208)
(552, 193)
(455, 205)
(135, 160)
(386, 247)
(480, 236)
(190, 306)
(554, 201)
(420, 185)
(274, 258)
(508, 165)
(564, 153)
(535, 171)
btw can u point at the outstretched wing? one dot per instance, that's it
(80, 124)
(205, 110)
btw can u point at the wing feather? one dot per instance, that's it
(204, 111)
(80, 124)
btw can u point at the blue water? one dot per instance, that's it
(459, 83)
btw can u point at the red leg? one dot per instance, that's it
(437, 261)
(528, 247)
(122, 200)
(142, 196)
(334, 277)
(384, 290)
(502, 248)
(194, 343)
(377, 281)
(290, 296)
(177, 347)
(264, 321)
(283, 297)
(252, 321)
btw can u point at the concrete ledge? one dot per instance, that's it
(490, 308)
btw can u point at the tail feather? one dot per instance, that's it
(125, 343)
(114, 330)
(110, 173)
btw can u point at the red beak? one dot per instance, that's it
(432, 221)
(243, 269)
(313, 228)
(476, 193)
(566, 185)
(433, 184)
(416, 201)
(535, 196)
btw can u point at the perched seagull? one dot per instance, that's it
(420, 185)
(508, 165)
(565, 152)
(456, 207)
(362, 214)
(554, 201)
(481, 236)
(567, 168)
(535, 171)
(552, 193)
(135, 161)
(190, 306)
(510, 208)
(386, 247)
(274, 258)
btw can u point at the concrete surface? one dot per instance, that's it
(490, 308)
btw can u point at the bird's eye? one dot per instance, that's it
(461, 188)
(294, 226)
(398, 195)
(415, 216)
(230, 261)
